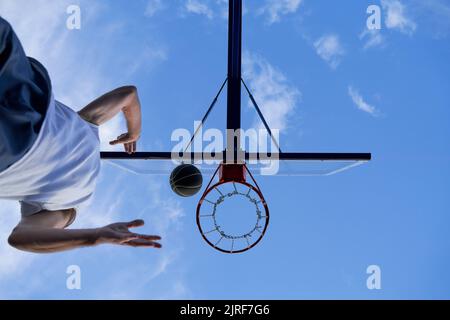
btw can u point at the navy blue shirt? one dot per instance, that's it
(25, 90)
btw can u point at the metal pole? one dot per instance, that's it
(234, 71)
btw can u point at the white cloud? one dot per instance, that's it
(359, 101)
(275, 9)
(170, 211)
(223, 8)
(373, 38)
(147, 58)
(199, 7)
(276, 97)
(397, 18)
(105, 209)
(153, 6)
(329, 48)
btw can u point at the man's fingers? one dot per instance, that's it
(147, 237)
(142, 243)
(128, 238)
(114, 142)
(122, 139)
(135, 223)
(119, 141)
(130, 147)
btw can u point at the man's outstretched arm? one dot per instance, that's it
(37, 238)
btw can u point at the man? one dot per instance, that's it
(50, 157)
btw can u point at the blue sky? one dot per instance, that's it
(321, 78)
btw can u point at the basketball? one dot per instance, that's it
(186, 180)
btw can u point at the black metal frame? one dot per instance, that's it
(234, 67)
(284, 156)
(234, 81)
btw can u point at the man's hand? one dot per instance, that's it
(128, 140)
(119, 233)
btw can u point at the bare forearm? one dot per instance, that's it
(52, 240)
(124, 99)
(132, 113)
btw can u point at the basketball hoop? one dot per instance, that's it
(238, 235)
(233, 177)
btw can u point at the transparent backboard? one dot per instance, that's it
(297, 164)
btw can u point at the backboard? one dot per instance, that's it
(284, 164)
